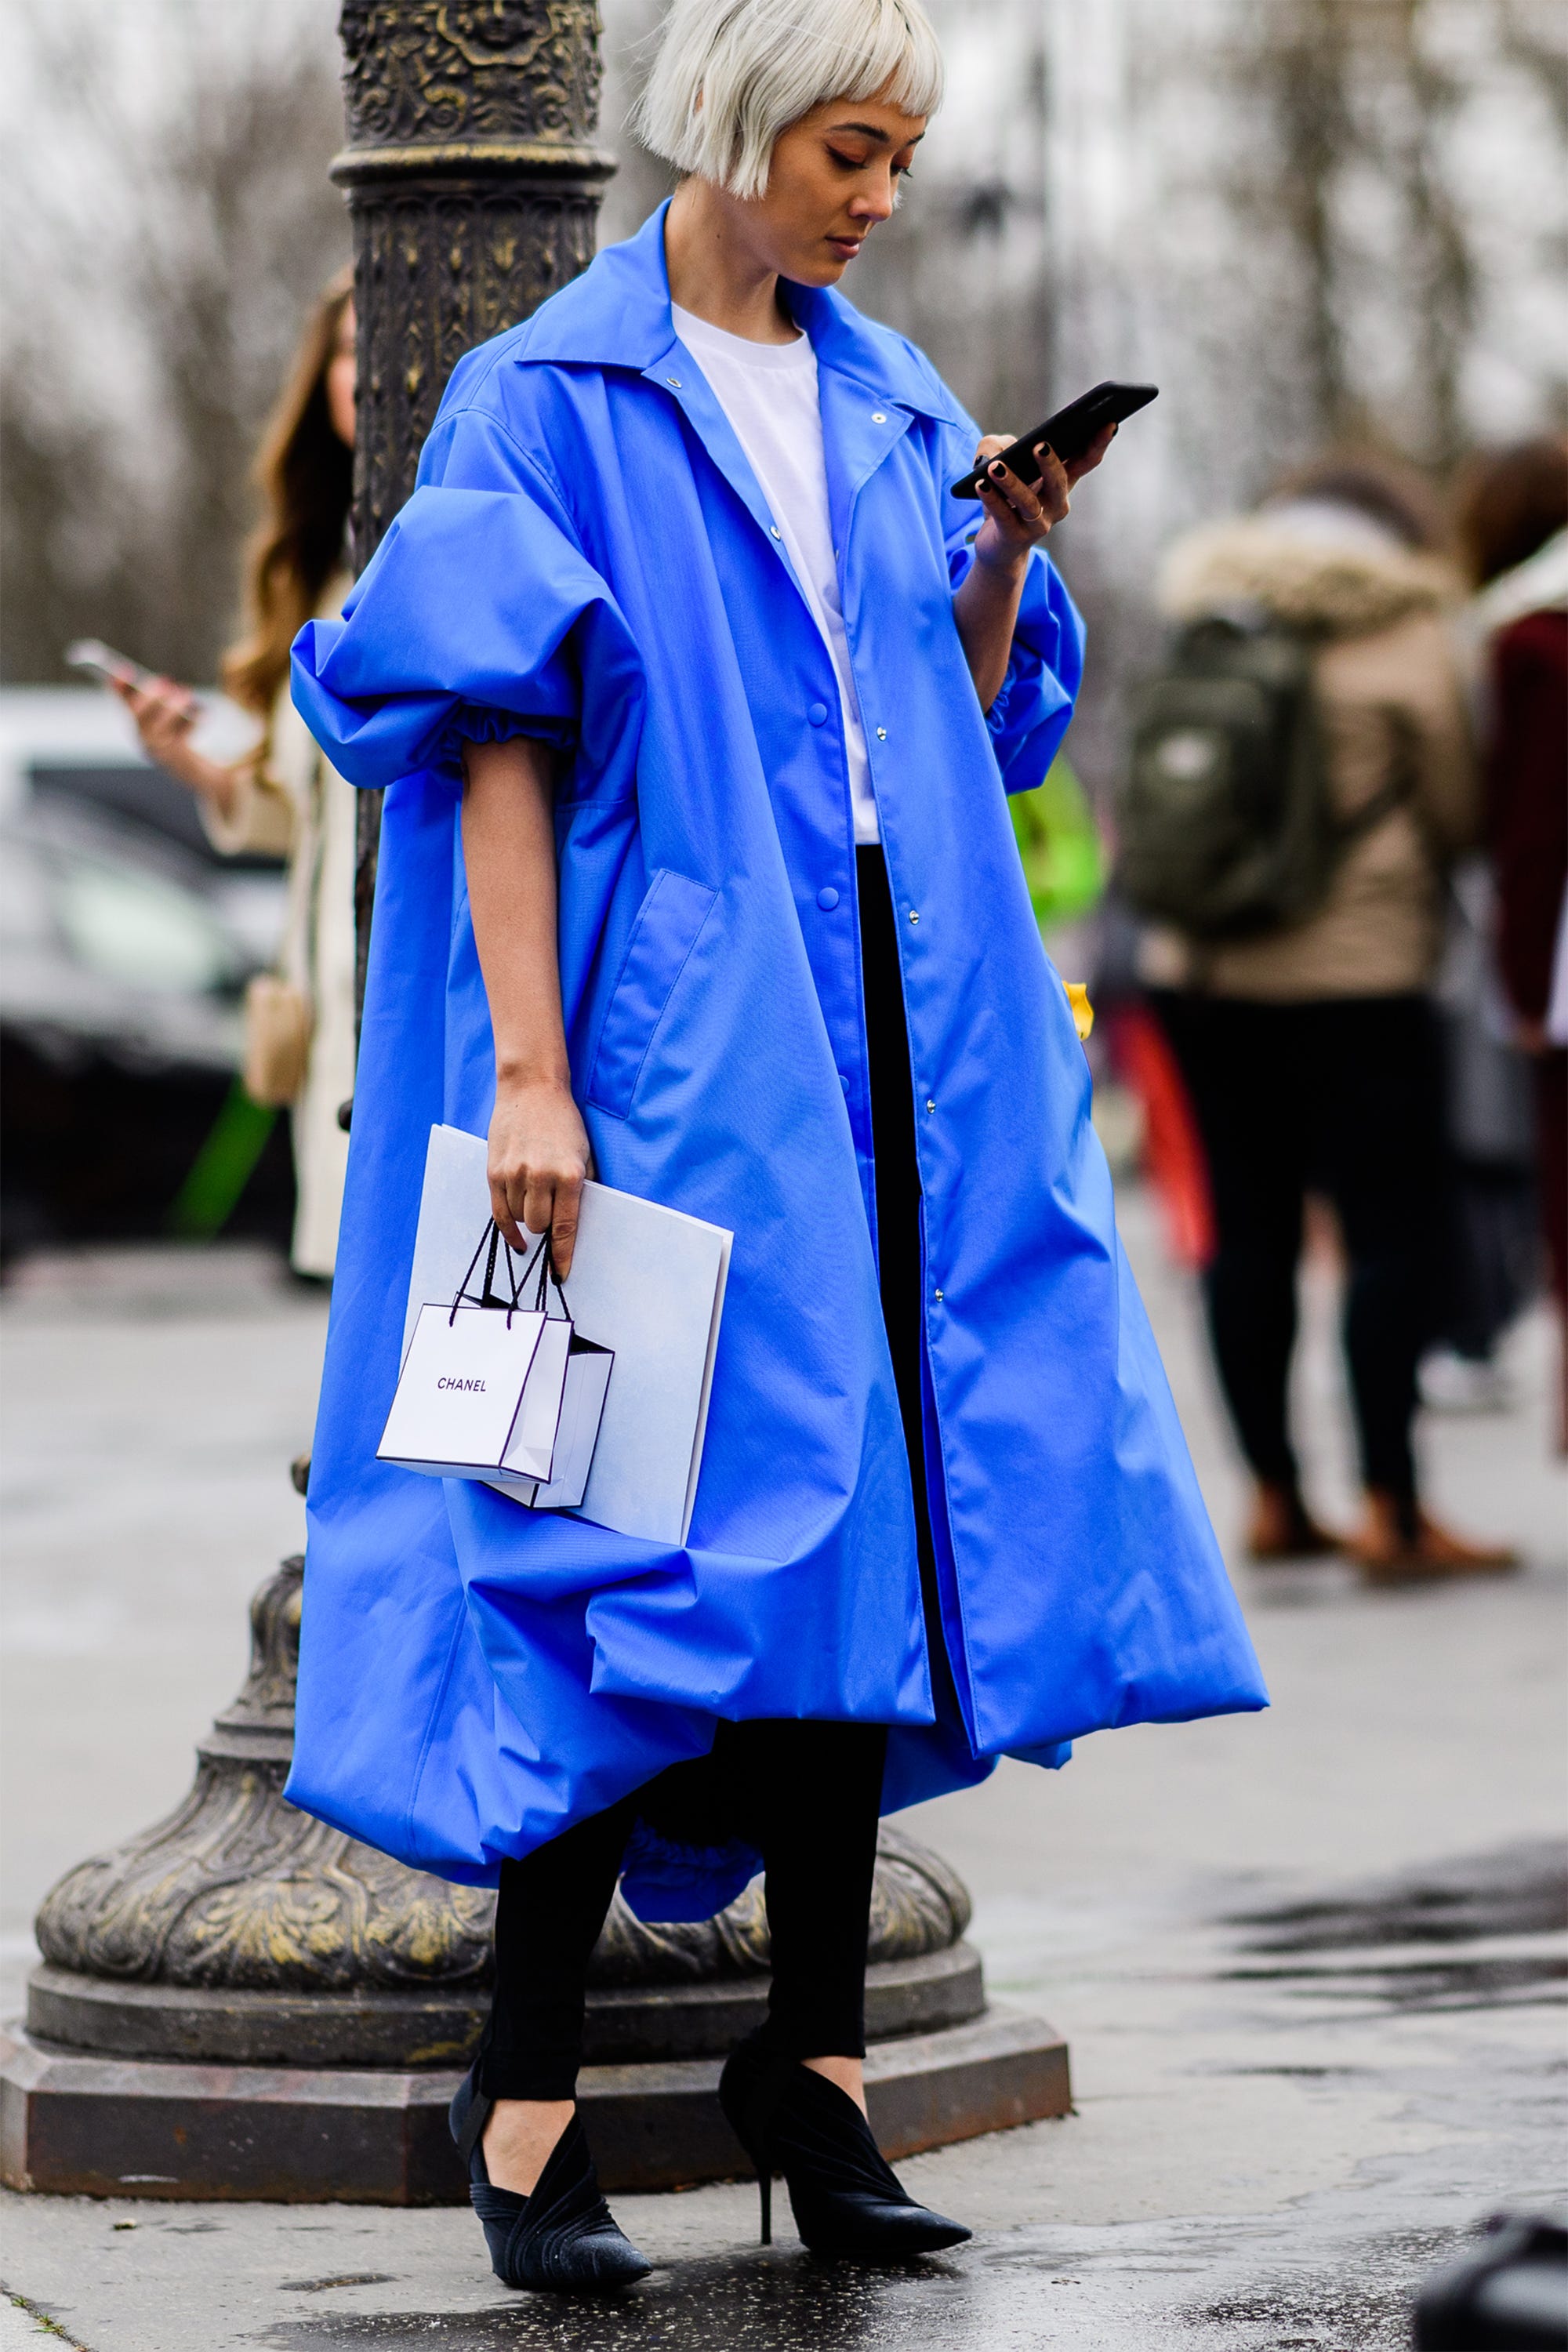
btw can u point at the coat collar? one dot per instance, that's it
(617, 314)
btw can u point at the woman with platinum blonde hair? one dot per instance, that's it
(697, 696)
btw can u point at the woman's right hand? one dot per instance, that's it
(165, 714)
(539, 1160)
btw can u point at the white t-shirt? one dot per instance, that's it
(768, 392)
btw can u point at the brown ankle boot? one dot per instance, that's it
(1281, 1528)
(1399, 1543)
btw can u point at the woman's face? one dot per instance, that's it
(834, 175)
(341, 378)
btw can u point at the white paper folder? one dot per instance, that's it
(646, 1284)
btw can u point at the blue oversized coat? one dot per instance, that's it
(589, 559)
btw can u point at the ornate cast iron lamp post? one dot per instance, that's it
(242, 2002)
(473, 181)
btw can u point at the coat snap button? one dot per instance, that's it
(931, 1104)
(877, 416)
(939, 1298)
(827, 898)
(881, 734)
(774, 530)
(673, 381)
(818, 714)
(914, 915)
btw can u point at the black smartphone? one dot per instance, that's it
(1069, 432)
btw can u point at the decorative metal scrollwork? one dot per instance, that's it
(423, 70)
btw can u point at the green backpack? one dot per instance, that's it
(1225, 822)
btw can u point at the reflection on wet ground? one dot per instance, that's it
(765, 2303)
(1519, 1890)
(1510, 1907)
(1128, 2290)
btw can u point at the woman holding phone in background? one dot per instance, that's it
(283, 796)
(698, 696)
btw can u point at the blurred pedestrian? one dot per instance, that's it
(1308, 1041)
(1513, 529)
(283, 796)
(1489, 1243)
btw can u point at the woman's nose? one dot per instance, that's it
(874, 203)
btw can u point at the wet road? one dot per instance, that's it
(1310, 1964)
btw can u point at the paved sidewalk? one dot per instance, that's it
(1309, 1963)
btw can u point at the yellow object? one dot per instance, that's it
(1082, 1009)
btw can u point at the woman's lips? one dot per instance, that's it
(846, 247)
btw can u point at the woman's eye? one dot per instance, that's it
(847, 162)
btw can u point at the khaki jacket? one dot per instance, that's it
(1391, 694)
(290, 801)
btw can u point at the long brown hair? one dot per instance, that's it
(1511, 502)
(305, 475)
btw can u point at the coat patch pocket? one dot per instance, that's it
(673, 911)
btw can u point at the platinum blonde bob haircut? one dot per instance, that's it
(729, 74)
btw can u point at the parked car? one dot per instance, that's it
(125, 945)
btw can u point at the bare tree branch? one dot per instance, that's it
(174, 230)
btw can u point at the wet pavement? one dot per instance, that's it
(1310, 1964)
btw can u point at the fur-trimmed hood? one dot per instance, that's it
(1347, 586)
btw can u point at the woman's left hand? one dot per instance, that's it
(1019, 515)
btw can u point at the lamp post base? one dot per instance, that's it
(89, 2125)
(242, 2002)
(440, 2025)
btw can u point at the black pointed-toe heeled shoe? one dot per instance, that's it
(563, 2236)
(845, 2198)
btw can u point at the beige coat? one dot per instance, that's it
(1390, 690)
(291, 802)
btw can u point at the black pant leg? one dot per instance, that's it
(1379, 1083)
(812, 1791)
(549, 1912)
(900, 1249)
(1243, 1066)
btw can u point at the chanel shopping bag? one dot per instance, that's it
(558, 1483)
(485, 1382)
(649, 1282)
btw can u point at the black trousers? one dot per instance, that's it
(805, 1794)
(900, 1240)
(1342, 1096)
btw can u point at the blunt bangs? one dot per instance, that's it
(730, 75)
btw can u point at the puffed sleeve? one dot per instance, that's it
(1035, 703)
(480, 616)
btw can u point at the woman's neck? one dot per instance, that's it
(716, 272)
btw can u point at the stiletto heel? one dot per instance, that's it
(846, 2200)
(562, 2235)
